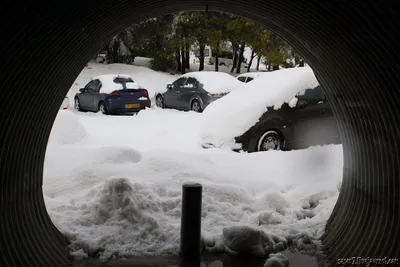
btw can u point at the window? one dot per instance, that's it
(98, 87)
(190, 83)
(249, 79)
(312, 95)
(123, 80)
(92, 85)
(242, 79)
(179, 83)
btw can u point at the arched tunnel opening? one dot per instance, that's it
(350, 45)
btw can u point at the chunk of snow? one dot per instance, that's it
(277, 260)
(67, 129)
(235, 113)
(215, 82)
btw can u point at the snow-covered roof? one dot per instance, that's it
(215, 82)
(235, 113)
(251, 74)
(109, 86)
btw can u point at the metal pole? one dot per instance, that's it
(190, 244)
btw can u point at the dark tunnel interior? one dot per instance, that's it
(351, 46)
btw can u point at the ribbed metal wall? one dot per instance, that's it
(351, 45)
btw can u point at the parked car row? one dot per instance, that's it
(309, 121)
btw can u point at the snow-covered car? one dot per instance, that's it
(283, 110)
(196, 90)
(249, 76)
(112, 94)
(64, 104)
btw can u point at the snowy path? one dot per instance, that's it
(114, 184)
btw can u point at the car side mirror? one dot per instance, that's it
(301, 103)
(82, 90)
(169, 86)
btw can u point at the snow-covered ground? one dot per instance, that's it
(113, 183)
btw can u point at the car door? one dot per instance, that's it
(171, 97)
(313, 122)
(92, 95)
(96, 95)
(187, 93)
(85, 98)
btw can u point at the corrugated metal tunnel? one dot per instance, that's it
(351, 46)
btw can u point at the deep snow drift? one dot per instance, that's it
(112, 185)
(118, 189)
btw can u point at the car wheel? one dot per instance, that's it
(77, 104)
(102, 108)
(269, 140)
(160, 101)
(196, 107)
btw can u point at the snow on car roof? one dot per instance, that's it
(235, 113)
(252, 74)
(109, 86)
(215, 82)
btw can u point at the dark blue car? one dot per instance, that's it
(112, 94)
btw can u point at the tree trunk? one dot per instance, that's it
(275, 67)
(239, 65)
(187, 56)
(183, 70)
(178, 60)
(258, 62)
(216, 63)
(251, 60)
(301, 63)
(269, 67)
(235, 56)
(201, 57)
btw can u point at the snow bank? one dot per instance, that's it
(67, 129)
(215, 82)
(277, 260)
(235, 113)
(251, 204)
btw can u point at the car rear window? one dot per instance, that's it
(123, 80)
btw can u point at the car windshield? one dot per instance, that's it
(123, 80)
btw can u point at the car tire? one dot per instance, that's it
(265, 140)
(160, 101)
(77, 104)
(103, 108)
(195, 106)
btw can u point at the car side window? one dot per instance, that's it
(242, 79)
(312, 95)
(249, 79)
(98, 86)
(91, 86)
(190, 83)
(179, 83)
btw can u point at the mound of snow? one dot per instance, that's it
(277, 260)
(67, 129)
(215, 82)
(235, 113)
